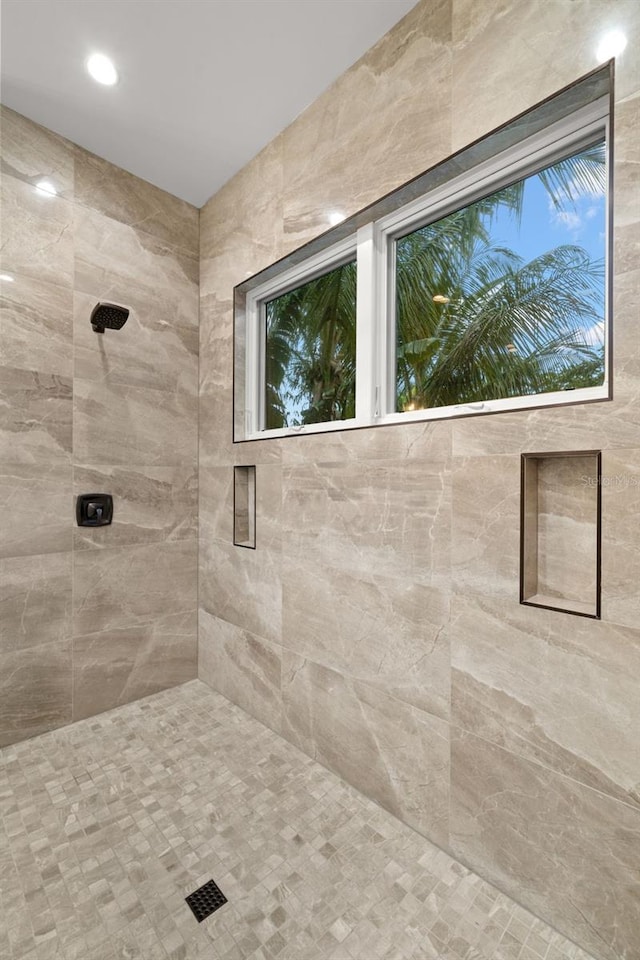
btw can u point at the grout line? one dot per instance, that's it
(543, 766)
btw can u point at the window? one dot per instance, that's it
(505, 297)
(480, 287)
(310, 354)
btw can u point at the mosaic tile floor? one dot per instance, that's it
(107, 825)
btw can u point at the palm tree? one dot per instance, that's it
(505, 327)
(473, 320)
(311, 351)
(509, 328)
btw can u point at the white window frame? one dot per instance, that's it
(373, 246)
(255, 365)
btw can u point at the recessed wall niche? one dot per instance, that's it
(244, 507)
(560, 534)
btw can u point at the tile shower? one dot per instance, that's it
(94, 617)
(377, 624)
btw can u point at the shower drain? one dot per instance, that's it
(206, 900)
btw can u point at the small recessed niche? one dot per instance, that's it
(560, 531)
(244, 507)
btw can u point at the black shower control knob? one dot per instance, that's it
(94, 509)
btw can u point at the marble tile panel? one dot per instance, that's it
(36, 233)
(242, 667)
(626, 180)
(216, 504)
(35, 601)
(390, 633)
(485, 526)
(132, 586)
(269, 530)
(626, 246)
(130, 662)
(490, 88)
(621, 537)
(429, 441)
(151, 351)
(390, 751)
(384, 121)
(242, 586)
(37, 512)
(390, 518)
(35, 690)
(215, 431)
(469, 19)
(117, 424)
(36, 324)
(216, 343)
(117, 264)
(151, 504)
(592, 426)
(122, 196)
(241, 225)
(33, 153)
(35, 417)
(555, 689)
(267, 452)
(626, 342)
(624, 15)
(560, 848)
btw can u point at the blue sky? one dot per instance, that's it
(542, 227)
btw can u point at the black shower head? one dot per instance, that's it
(108, 315)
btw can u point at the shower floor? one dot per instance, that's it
(108, 824)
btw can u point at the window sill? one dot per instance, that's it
(509, 405)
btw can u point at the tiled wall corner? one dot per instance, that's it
(87, 413)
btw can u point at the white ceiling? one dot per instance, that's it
(204, 84)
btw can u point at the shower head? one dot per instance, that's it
(108, 315)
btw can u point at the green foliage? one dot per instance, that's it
(311, 351)
(510, 328)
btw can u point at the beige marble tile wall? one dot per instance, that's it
(93, 618)
(377, 624)
(567, 491)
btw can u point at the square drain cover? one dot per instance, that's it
(206, 900)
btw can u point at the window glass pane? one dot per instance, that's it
(311, 351)
(506, 297)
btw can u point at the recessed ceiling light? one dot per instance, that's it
(612, 44)
(335, 217)
(46, 188)
(102, 69)
(7, 278)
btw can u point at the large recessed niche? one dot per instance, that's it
(560, 531)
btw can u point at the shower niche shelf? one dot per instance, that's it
(244, 507)
(560, 531)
